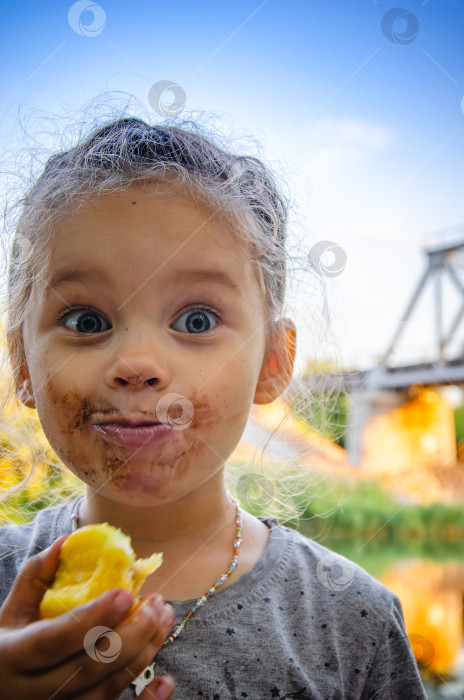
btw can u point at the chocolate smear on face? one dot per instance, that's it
(97, 462)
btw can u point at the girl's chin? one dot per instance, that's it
(144, 481)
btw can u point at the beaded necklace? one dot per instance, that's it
(148, 674)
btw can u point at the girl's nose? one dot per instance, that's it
(138, 361)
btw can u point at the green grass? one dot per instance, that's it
(366, 510)
(378, 560)
(459, 423)
(342, 511)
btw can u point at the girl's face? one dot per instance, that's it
(146, 297)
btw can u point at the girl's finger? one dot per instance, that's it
(126, 652)
(161, 688)
(21, 606)
(123, 654)
(48, 643)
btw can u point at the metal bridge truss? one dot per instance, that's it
(443, 261)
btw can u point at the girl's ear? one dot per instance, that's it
(23, 379)
(24, 392)
(277, 368)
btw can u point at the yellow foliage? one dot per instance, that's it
(432, 611)
(30, 472)
(271, 415)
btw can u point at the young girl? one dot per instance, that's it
(146, 291)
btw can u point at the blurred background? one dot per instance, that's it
(359, 106)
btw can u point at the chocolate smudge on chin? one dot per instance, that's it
(105, 463)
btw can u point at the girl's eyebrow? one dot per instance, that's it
(75, 276)
(193, 276)
(179, 276)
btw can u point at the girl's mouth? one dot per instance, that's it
(134, 435)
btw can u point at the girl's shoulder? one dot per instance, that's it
(331, 624)
(18, 542)
(303, 567)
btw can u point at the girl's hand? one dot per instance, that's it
(92, 652)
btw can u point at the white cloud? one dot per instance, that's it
(332, 143)
(352, 133)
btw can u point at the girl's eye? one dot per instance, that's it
(85, 321)
(197, 320)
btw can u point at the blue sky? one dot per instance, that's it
(364, 123)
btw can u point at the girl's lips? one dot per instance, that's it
(126, 435)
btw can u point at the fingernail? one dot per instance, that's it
(167, 614)
(155, 601)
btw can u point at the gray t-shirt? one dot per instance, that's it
(302, 623)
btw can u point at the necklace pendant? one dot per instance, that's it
(146, 677)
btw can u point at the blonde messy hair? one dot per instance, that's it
(240, 188)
